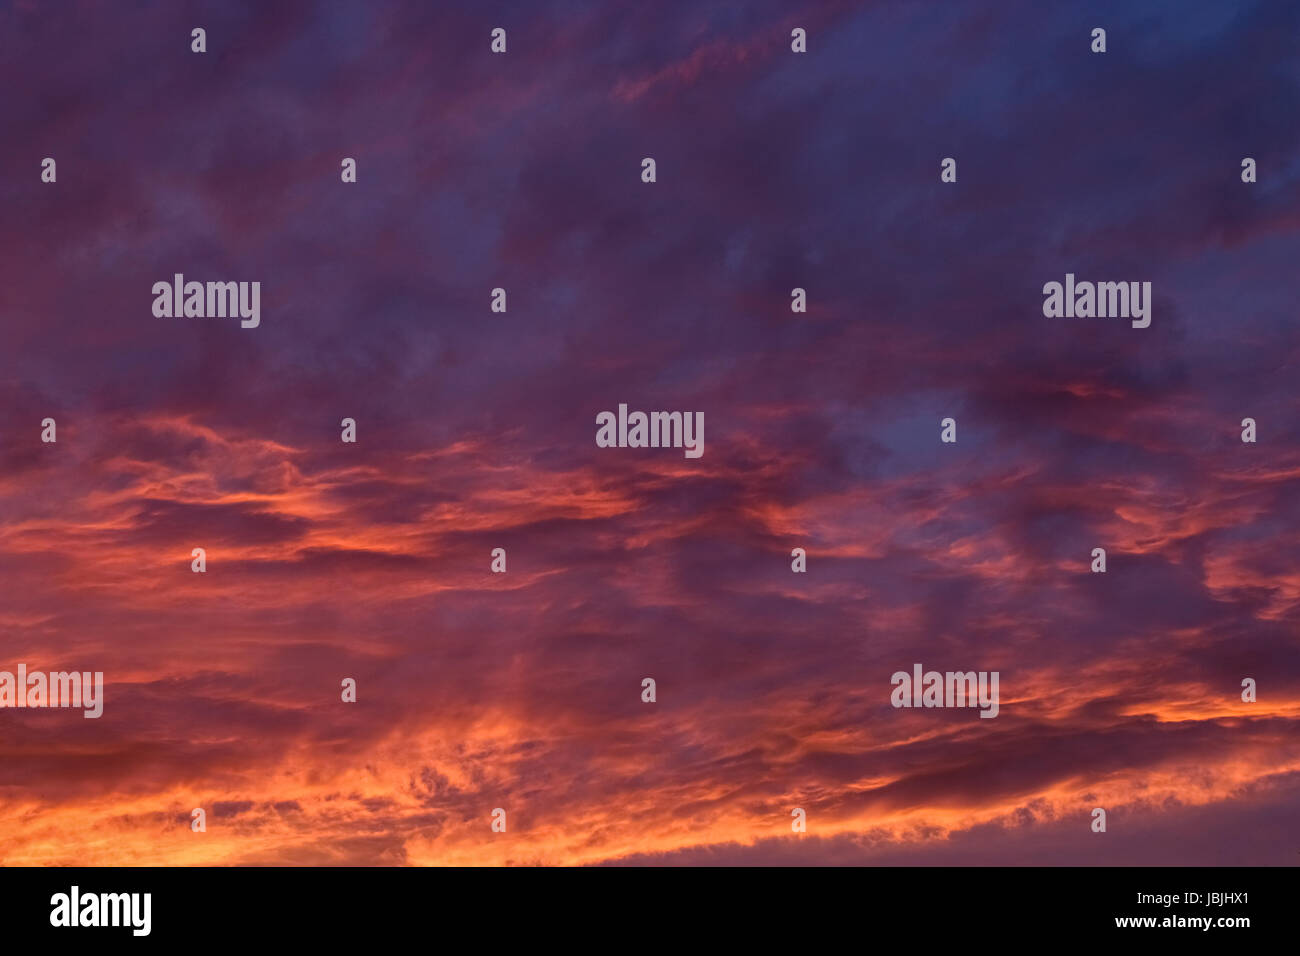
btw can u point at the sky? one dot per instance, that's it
(476, 430)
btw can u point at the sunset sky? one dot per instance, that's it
(476, 430)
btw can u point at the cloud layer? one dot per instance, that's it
(476, 431)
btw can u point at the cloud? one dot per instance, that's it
(476, 431)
